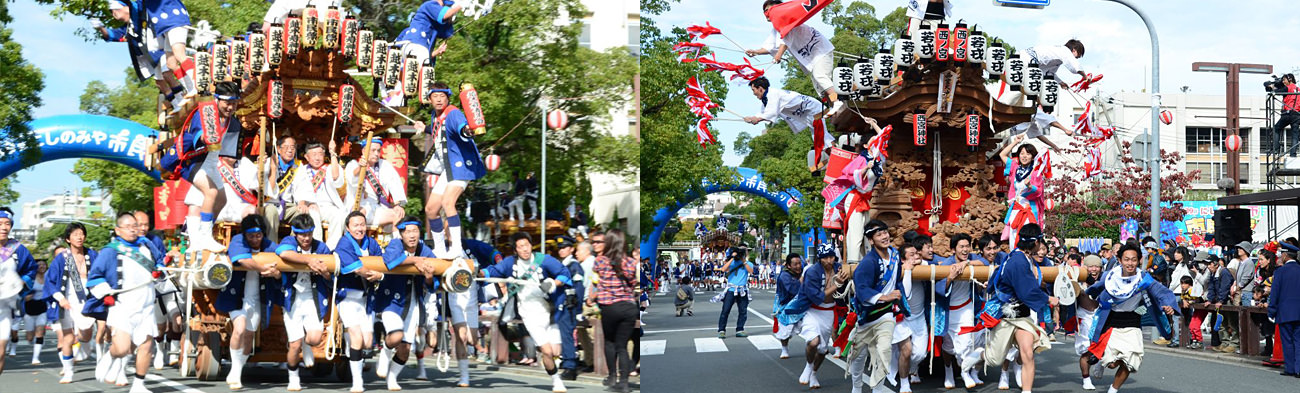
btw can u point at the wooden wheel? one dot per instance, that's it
(207, 363)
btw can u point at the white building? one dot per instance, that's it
(44, 213)
(608, 25)
(706, 208)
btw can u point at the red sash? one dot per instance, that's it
(232, 181)
(380, 193)
(317, 179)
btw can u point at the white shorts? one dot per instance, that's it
(174, 36)
(537, 319)
(252, 304)
(440, 183)
(408, 324)
(820, 70)
(913, 328)
(352, 311)
(818, 323)
(1083, 337)
(420, 52)
(785, 331)
(72, 318)
(432, 310)
(207, 168)
(301, 319)
(31, 322)
(139, 323)
(7, 307)
(464, 307)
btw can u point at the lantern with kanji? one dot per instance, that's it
(978, 46)
(347, 93)
(292, 35)
(557, 119)
(426, 81)
(925, 40)
(203, 71)
(920, 134)
(394, 74)
(1015, 71)
(275, 44)
(1166, 117)
(1033, 80)
(864, 74)
(1233, 143)
(220, 62)
(257, 53)
(365, 38)
(492, 161)
(972, 131)
(275, 99)
(905, 51)
(410, 75)
(843, 79)
(379, 52)
(349, 36)
(995, 61)
(239, 58)
(960, 42)
(333, 27)
(310, 26)
(884, 67)
(1049, 95)
(941, 37)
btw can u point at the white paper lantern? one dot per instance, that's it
(884, 67)
(292, 35)
(557, 119)
(492, 161)
(1033, 79)
(995, 62)
(394, 74)
(203, 71)
(410, 76)
(379, 55)
(979, 45)
(365, 40)
(220, 63)
(257, 53)
(925, 41)
(1015, 71)
(275, 44)
(905, 51)
(1049, 95)
(864, 74)
(842, 77)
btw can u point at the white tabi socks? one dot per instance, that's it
(1087, 384)
(159, 355)
(357, 383)
(235, 378)
(138, 385)
(36, 350)
(949, 383)
(394, 369)
(67, 369)
(295, 382)
(807, 371)
(419, 367)
(904, 385)
(381, 366)
(308, 358)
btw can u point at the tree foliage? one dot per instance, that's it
(672, 163)
(8, 196)
(135, 100)
(1098, 206)
(20, 88)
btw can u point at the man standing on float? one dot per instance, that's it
(453, 162)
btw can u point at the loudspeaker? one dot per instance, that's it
(1231, 226)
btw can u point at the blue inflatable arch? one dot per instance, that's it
(87, 136)
(746, 180)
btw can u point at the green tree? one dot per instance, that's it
(135, 100)
(20, 86)
(672, 163)
(7, 193)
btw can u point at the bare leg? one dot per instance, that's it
(1025, 341)
(1121, 374)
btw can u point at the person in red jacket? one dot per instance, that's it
(1290, 112)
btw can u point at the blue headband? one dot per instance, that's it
(224, 97)
(5, 214)
(373, 140)
(402, 226)
(444, 91)
(303, 231)
(253, 230)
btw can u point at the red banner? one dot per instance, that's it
(789, 15)
(169, 204)
(395, 151)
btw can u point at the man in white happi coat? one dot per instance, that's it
(17, 276)
(121, 280)
(383, 192)
(315, 191)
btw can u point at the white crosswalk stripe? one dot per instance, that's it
(653, 347)
(709, 344)
(765, 342)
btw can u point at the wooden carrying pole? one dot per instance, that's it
(373, 263)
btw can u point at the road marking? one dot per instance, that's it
(709, 344)
(679, 330)
(765, 342)
(836, 361)
(653, 347)
(171, 384)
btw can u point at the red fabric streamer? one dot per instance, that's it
(745, 71)
(687, 52)
(1085, 83)
(699, 104)
(1092, 162)
(702, 133)
(698, 32)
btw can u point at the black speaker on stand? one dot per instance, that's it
(1231, 226)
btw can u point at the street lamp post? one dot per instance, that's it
(1154, 160)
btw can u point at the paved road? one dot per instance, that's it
(20, 376)
(684, 354)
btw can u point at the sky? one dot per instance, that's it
(1115, 39)
(69, 63)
